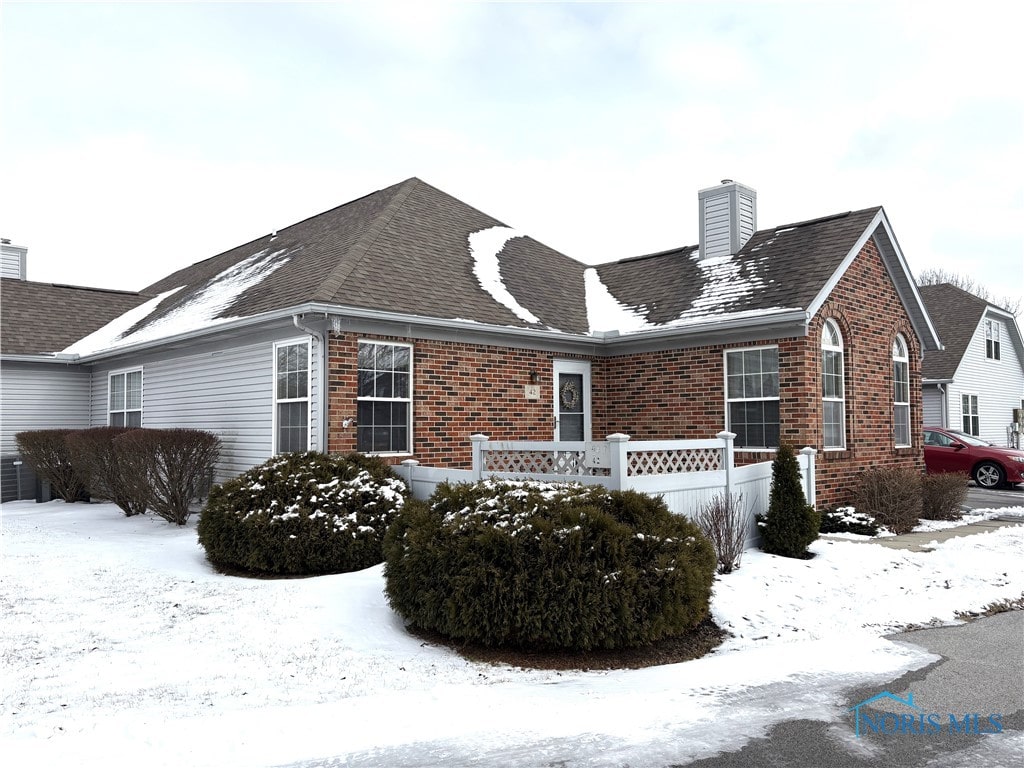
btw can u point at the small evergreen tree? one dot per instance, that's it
(791, 523)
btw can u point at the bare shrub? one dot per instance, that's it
(942, 496)
(46, 451)
(96, 461)
(892, 496)
(171, 467)
(724, 520)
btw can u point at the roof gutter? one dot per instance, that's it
(597, 343)
(58, 358)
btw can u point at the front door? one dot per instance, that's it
(572, 400)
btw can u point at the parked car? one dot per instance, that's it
(947, 450)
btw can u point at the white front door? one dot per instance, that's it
(572, 400)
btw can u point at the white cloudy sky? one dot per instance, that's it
(138, 138)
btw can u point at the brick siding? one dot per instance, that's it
(460, 389)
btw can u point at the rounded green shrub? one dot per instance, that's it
(547, 566)
(302, 514)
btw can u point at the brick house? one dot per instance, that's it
(404, 321)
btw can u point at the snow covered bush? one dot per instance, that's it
(791, 524)
(47, 452)
(302, 514)
(169, 468)
(547, 566)
(891, 495)
(942, 495)
(95, 459)
(724, 521)
(848, 520)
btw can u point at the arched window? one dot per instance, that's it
(901, 393)
(833, 392)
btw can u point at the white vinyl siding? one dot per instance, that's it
(226, 388)
(999, 385)
(41, 397)
(934, 412)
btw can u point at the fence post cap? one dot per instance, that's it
(410, 463)
(808, 451)
(617, 437)
(478, 438)
(726, 435)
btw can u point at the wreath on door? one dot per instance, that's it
(570, 396)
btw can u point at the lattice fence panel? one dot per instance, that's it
(539, 463)
(670, 462)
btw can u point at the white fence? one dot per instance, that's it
(685, 473)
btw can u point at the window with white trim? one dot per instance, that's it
(384, 404)
(969, 411)
(901, 393)
(291, 396)
(752, 396)
(992, 339)
(125, 402)
(833, 392)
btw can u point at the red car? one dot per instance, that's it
(947, 450)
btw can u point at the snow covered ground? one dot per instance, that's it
(119, 645)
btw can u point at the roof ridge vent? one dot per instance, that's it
(728, 218)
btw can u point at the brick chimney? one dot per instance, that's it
(728, 218)
(12, 260)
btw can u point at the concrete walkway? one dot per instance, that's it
(920, 542)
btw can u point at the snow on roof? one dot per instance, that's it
(484, 246)
(721, 286)
(605, 312)
(197, 310)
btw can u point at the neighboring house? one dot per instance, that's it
(40, 390)
(977, 381)
(405, 321)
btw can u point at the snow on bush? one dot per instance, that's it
(848, 520)
(302, 514)
(547, 565)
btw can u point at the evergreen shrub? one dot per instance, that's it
(791, 524)
(942, 495)
(48, 453)
(891, 495)
(97, 462)
(547, 566)
(169, 468)
(302, 514)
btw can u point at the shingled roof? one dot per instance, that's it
(956, 315)
(413, 251)
(781, 268)
(404, 249)
(41, 318)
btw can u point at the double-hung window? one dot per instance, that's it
(291, 396)
(901, 393)
(992, 339)
(752, 396)
(384, 406)
(832, 389)
(969, 411)
(125, 405)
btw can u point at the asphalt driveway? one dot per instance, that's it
(980, 498)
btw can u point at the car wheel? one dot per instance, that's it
(989, 475)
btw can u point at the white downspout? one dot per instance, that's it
(321, 344)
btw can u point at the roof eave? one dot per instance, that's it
(899, 272)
